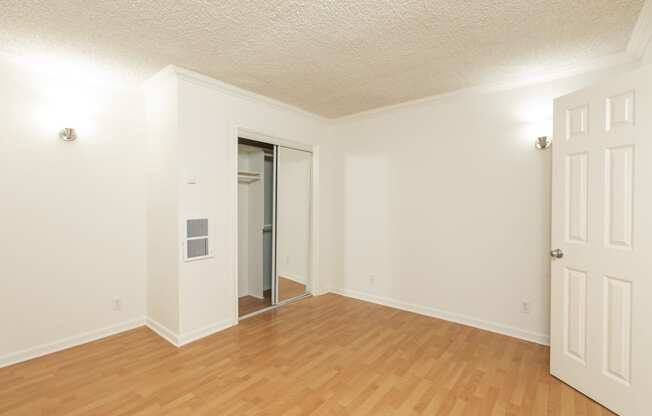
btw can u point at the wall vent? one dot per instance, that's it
(197, 239)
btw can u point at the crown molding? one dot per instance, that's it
(223, 87)
(611, 61)
(639, 42)
(621, 59)
(642, 32)
(157, 78)
(636, 48)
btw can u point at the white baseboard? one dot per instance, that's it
(179, 340)
(503, 329)
(297, 279)
(162, 331)
(196, 334)
(252, 295)
(69, 342)
(73, 341)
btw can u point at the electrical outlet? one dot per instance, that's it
(117, 304)
(525, 306)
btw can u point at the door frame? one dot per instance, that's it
(245, 133)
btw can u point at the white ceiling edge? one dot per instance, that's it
(642, 33)
(637, 46)
(62, 73)
(622, 59)
(232, 90)
(639, 41)
(612, 61)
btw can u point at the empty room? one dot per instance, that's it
(325, 207)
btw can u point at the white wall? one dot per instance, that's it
(256, 207)
(446, 206)
(72, 215)
(406, 195)
(162, 193)
(647, 58)
(243, 240)
(243, 229)
(209, 118)
(250, 224)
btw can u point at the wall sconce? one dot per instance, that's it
(68, 134)
(543, 142)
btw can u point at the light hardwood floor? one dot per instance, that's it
(327, 355)
(248, 304)
(288, 289)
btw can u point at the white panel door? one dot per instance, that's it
(601, 314)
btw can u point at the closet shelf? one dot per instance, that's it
(248, 177)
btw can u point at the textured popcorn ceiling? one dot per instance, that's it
(329, 57)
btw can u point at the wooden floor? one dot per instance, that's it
(327, 355)
(288, 289)
(249, 304)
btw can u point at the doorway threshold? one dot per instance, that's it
(278, 305)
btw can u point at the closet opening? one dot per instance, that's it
(274, 194)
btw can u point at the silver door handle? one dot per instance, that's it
(557, 253)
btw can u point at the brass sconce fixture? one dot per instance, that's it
(543, 142)
(68, 134)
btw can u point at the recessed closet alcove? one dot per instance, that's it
(274, 193)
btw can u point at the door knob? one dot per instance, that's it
(557, 253)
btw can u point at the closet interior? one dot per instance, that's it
(274, 195)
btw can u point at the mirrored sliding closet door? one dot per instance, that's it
(293, 203)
